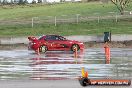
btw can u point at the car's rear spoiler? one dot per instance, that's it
(32, 38)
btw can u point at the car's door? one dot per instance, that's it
(55, 42)
(49, 39)
(63, 42)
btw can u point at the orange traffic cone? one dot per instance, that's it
(37, 51)
(107, 52)
(75, 53)
(84, 74)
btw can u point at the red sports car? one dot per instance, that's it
(53, 42)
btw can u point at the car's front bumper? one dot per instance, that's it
(81, 46)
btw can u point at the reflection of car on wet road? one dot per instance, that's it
(53, 42)
(54, 60)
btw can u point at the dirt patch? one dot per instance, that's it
(117, 44)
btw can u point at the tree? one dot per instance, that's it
(39, 1)
(4, 2)
(121, 5)
(11, 2)
(20, 2)
(33, 2)
(26, 1)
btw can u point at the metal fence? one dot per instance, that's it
(56, 20)
(63, 19)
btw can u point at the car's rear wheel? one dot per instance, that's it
(75, 46)
(43, 49)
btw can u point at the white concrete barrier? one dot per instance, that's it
(82, 38)
(14, 40)
(122, 37)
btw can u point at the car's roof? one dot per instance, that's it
(48, 35)
(51, 35)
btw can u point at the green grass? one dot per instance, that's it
(29, 11)
(84, 28)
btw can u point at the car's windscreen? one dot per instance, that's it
(40, 38)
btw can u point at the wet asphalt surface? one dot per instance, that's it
(57, 65)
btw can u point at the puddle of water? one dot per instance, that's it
(23, 64)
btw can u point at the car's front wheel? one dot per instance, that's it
(75, 47)
(43, 49)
